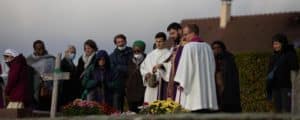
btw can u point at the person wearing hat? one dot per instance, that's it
(134, 87)
(17, 89)
(282, 62)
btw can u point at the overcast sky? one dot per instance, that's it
(63, 22)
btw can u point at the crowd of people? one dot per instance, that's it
(199, 76)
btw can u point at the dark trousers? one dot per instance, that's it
(164, 90)
(133, 106)
(44, 103)
(118, 101)
(282, 99)
(2, 98)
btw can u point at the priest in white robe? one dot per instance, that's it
(153, 65)
(196, 73)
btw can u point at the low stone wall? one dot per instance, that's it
(217, 116)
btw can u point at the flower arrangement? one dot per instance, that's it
(162, 107)
(108, 110)
(83, 107)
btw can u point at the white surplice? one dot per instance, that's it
(157, 56)
(196, 74)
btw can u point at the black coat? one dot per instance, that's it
(135, 88)
(288, 62)
(119, 63)
(79, 73)
(231, 94)
(69, 87)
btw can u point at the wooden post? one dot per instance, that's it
(55, 86)
(295, 106)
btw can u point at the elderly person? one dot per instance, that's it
(18, 86)
(196, 73)
(68, 86)
(135, 89)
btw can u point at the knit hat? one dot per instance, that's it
(11, 52)
(139, 43)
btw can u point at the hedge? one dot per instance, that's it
(253, 71)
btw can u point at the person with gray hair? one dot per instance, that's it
(68, 86)
(196, 74)
(17, 89)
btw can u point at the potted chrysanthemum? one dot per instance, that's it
(162, 107)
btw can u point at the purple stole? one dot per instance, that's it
(196, 39)
(176, 62)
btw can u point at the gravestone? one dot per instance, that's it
(295, 77)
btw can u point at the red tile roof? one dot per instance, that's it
(250, 32)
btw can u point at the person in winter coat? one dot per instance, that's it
(135, 89)
(282, 62)
(17, 89)
(98, 79)
(86, 60)
(41, 62)
(68, 86)
(119, 60)
(227, 79)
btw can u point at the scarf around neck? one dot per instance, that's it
(87, 59)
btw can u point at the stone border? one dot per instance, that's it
(189, 116)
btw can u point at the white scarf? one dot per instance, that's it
(87, 59)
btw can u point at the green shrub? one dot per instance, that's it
(253, 71)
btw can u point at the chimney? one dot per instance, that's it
(225, 13)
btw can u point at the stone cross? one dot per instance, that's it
(55, 76)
